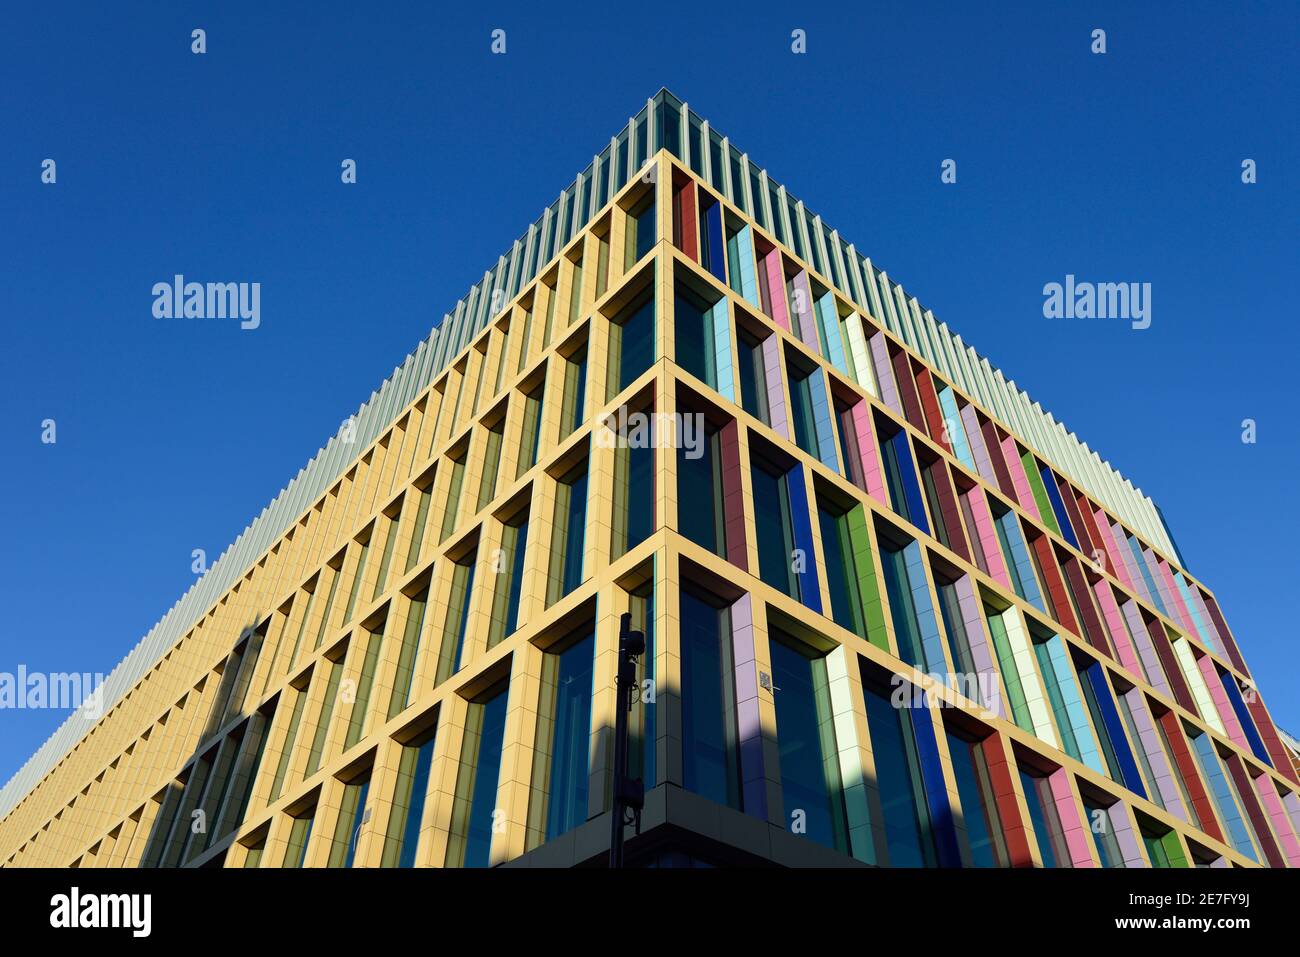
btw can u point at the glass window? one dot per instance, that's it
(902, 605)
(469, 844)
(1103, 834)
(802, 410)
(1045, 823)
(564, 725)
(695, 345)
(810, 775)
(352, 809)
(908, 831)
(531, 433)
(452, 651)
(640, 231)
(774, 527)
(417, 527)
(457, 481)
(568, 540)
(710, 740)
(700, 513)
(631, 343)
(295, 852)
(753, 378)
(634, 505)
(408, 654)
(402, 838)
(365, 682)
(841, 568)
(575, 393)
(357, 575)
(505, 600)
(985, 846)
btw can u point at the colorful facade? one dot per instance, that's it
(895, 613)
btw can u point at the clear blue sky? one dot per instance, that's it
(172, 436)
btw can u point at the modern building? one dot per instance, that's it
(895, 613)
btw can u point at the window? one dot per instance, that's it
(326, 714)
(753, 378)
(402, 838)
(457, 626)
(390, 524)
(842, 574)
(1104, 840)
(700, 513)
(902, 602)
(572, 410)
(900, 478)
(640, 230)
(295, 851)
(774, 527)
(287, 745)
(474, 812)
(352, 810)
(634, 504)
(531, 434)
(954, 627)
(564, 724)
(908, 831)
(695, 326)
(1045, 823)
(575, 292)
(357, 575)
(567, 542)
(409, 653)
(803, 409)
(417, 527)
(365, 682)
(1216, 779)
(487, 489)
(985, 846)
(631, 342)
(505, 600)
(452, 506)
(1162, 843)
(810, 775)
(710, 738)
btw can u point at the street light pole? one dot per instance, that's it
(629, 793)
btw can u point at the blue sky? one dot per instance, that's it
(172, 436)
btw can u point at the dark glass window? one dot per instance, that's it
(566, 681)
(984, 842)
(774, 527)
(695, 347)
(908, 833)
(632, 342)
(753, 378)
(810, 777)
(1044, 821)
(841, 568)
(710, 746)
(567, 544)
(402, 838)
(699, 492)
(470, 841)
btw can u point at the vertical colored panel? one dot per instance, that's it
(724, 360)
(687, 238)
(1075, 713)
(870, 453)
(980, 452)
(930, 408)
(1222, 707)
(1061, 610)
(885, 373)
(733, 496)
(864, 564)
(1225, 636)
(1255, 813)
(1095, 675)
(801, 313)
(991, 442)
(1148, 739)
(714, 242)
(859, 352)
(1035, 694)
(926, 617)
(1165, 652)
(1013, 825)
(826, 446)
(1019, 557)
(749, 727)
(907, 387)
(1077, 840)
(776, 408)
(775, 277)
(829, 320)
(809, 591)
(981, 649)
(936, 791)
(1196, 684)
(1019, 479)
(1072, 519)
(1092, 627)
(1034, 474)
(1277, 815)
(1058, 506)
(1182, 756)
(956, 433)
(979, 507)
(1118, 632)
(748, 279)
(1146, 650)
(1229, 684)
(948, 508)
(1114, 560)
(1194, 608)
(1281, 759)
